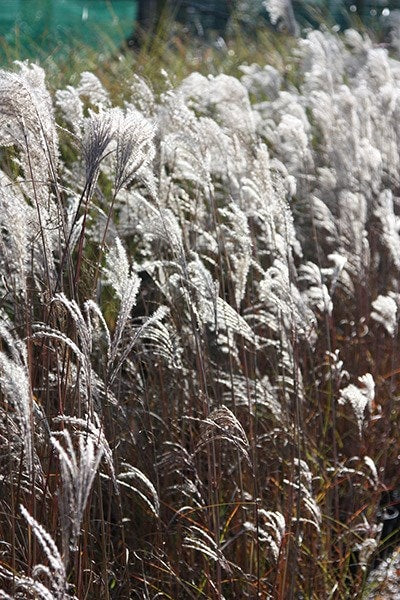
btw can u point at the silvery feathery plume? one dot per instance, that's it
(71, 106)
(359, 397)
(83, 322)
(142, 96)
(126, 283)
(73, 224)
(180, 155)
(43, 105)
(212, 310)
(341, 141)
(134, 146)
(303, 487)
(94, 428)
(43, 331)
(120, 140)
(15, 233)
(292, 144)
(218, 149)
(82, 347)
(71, 100)
(224, 99)
(176, 461)
(221, 424)
(364, 172)
(264, 194)
(353, 235)
(385, 311)
(322, 61)
(238, 246)
(193, 150)
(261, 81)
(335, 371)
(184, 151)
(162, 340)
(373, 470)
(91, 88)
(164, 225)
(133, 479)
(282, 11)
(202, 293)
(15, 384)
(290, 103)
(283, 300)
(315, 290)
(99, 130)
(200, 540)
(254, 394)
(231, 102)
(47, 582)
(370, 167)
(389, 225)
(324, 223)
(132, 212)
(230, 321)
(364, 468)
(79, 463)
(377, 69)
(27, 122)
(119, 273)
(336, 273)
(270, 530)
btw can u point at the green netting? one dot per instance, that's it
(40, 27)
(57, 24)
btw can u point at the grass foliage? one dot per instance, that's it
(199, 328)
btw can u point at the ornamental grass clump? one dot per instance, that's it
(199, 329)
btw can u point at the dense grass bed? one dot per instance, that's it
(199, 321)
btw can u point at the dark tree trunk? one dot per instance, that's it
(147, 14)
(213, 14)
(147, 21)
(360, 4)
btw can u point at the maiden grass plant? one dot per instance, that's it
(199, 329)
